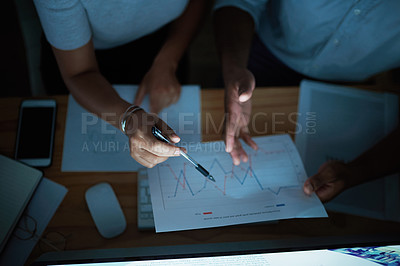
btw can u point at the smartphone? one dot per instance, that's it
(35, 135)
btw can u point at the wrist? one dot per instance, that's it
(231, 70)
(357, 173)
(125, 118)
(166, 63)
(231, 64)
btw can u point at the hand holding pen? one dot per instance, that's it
(148, 145)
(144, 147)
(159, 135)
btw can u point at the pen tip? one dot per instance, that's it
(211, 178)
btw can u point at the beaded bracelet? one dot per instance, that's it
(129, 111)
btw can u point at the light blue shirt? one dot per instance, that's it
(347, 40)
(69, 24)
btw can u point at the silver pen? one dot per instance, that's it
(158, 134)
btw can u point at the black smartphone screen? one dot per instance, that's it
(35, 132)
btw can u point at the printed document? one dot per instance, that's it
(267, 187)
(91, 144)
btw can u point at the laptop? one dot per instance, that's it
(325, 251)
(17, 185)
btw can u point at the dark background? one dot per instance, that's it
(20, 47)
(20, 60)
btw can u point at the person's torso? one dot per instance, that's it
(118, 22)
(334, 40)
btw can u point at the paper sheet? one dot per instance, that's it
(268, 187)
(44, 203)
(91, 144)
(341, 123)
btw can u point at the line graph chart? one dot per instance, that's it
(262, 176)
(183, 183)
(262, 185)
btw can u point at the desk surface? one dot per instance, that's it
(274, 111)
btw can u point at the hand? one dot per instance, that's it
(239, 86)
(162, 86)
(332, 178)
(144, 147)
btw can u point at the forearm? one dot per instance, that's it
(182, 32)
(234, 30)
(92, 91)
(381, 160)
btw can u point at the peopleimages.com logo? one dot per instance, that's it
(260, 123)
(101, 134)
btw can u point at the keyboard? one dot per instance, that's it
(145, 218)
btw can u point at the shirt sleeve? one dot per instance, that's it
(64, 22)
(256, 8)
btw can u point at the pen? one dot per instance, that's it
(157, 133)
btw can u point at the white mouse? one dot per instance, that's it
(105, 210)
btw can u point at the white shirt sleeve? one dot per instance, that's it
(256, 8)
(64, 22)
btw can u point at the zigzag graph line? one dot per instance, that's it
(182, 181)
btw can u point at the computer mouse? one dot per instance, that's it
(105, 210)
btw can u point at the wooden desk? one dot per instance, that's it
(274, 111)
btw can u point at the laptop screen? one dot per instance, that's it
(276, 252)
(361, 256)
